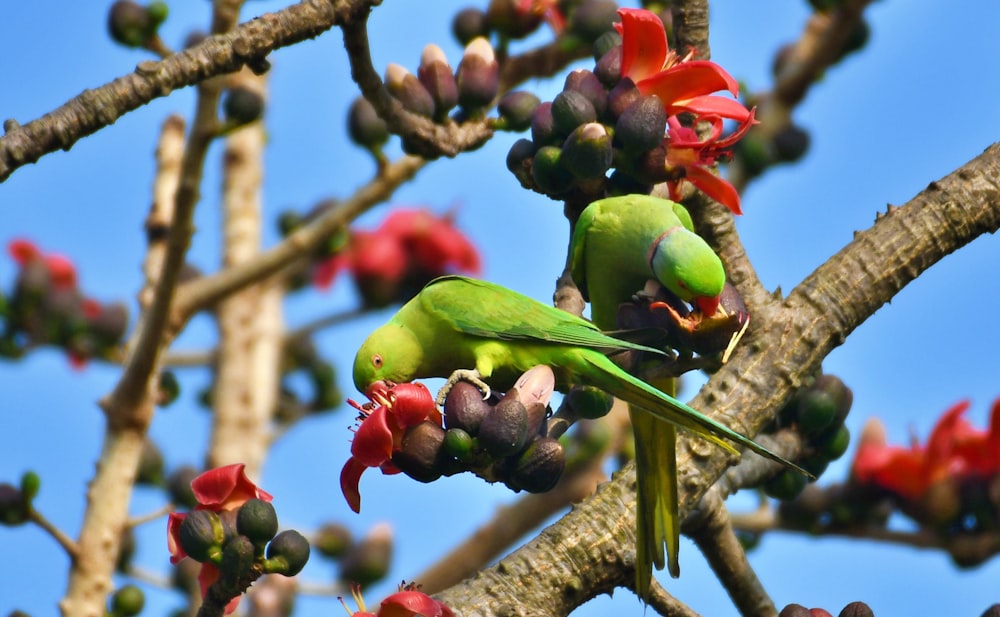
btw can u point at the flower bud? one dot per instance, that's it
(458, 444)
(817, 410)
(201, 535)
(835, 446)
(642, 125)
(505, 428)
(755, 154)
(468, 24)
(517, 109)
(548, 172)
(570, 109)
(13, 506)
(794, 610)
(465, 408)
(408, 90)
(790, 143)
(242, 106)
(786, 485)
(31, 483)
(129, 23)
(179, 486)
(593, 18)
(370, 558)
(605, 43)
(609, 67)
(333, 540)
(257, 520)
(589, 402)
(587, 84)
(420, 452)
(150, 469)
(587, 152)
(509, 19)
(439, 80)
(543, 126)
(541, 465)
(168, 389)
(651, 166)
(478, 75)
(519, 161)
(364, 125)
(127, 601)
(287, 553)
(860, 609)
(623, 94)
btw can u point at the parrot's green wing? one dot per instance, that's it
(484, 309)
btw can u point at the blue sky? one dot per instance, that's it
(919, 101)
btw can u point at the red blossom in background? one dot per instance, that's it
(60, 270)
(548, 9)
(408, 250)
(954, 449)
(221, 490)
(383, 422)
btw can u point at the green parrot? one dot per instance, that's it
(462, 322)
(618, 244)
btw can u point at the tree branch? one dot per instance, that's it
(95, 109)
(588, 552)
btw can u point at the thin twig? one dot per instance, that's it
(68, 544)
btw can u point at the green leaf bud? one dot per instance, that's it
(127, 601)
(549, 174)
(589, 402)
(333, 540)
(587, 152)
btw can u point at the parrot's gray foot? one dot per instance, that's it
(470, 375)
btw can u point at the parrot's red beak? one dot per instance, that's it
(708, 305)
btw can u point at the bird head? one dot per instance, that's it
(391, 353)
(686, 265)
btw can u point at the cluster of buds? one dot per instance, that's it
(580, 20)
(233, 533)
(434, 92)
(951, 483)
(133, 25)
(500, 439)
(394, 261)
(817, 411)
(854, 609)
(302, 358)
(409, 601)
(360, 562)
(636, 114)
(47, 307)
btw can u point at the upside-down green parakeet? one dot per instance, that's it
(460, 323)
(618, 244)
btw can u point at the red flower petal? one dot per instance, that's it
(226, 488)
(61, 271)
(412, 403)
(326, 271)
(350, 479)
(173, 536)
(685, 81)
(711, 105)
(644, 43)
(715, 187)
(373, 440)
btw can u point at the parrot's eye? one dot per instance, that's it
(377, 361)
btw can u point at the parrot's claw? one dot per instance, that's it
(470, 375)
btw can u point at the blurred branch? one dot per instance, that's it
(223, 53)
(711, 529)
(66, 542)
(203, 292)
(802, 64)
(589, 551)
(690, 21)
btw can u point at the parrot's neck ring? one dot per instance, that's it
(655, 246)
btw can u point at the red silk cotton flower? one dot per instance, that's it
(954, 449)
(383, 422)
(409, 601)
(408, 250)
(681, 84)
(221, 490)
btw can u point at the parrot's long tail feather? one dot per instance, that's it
(617, 382)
